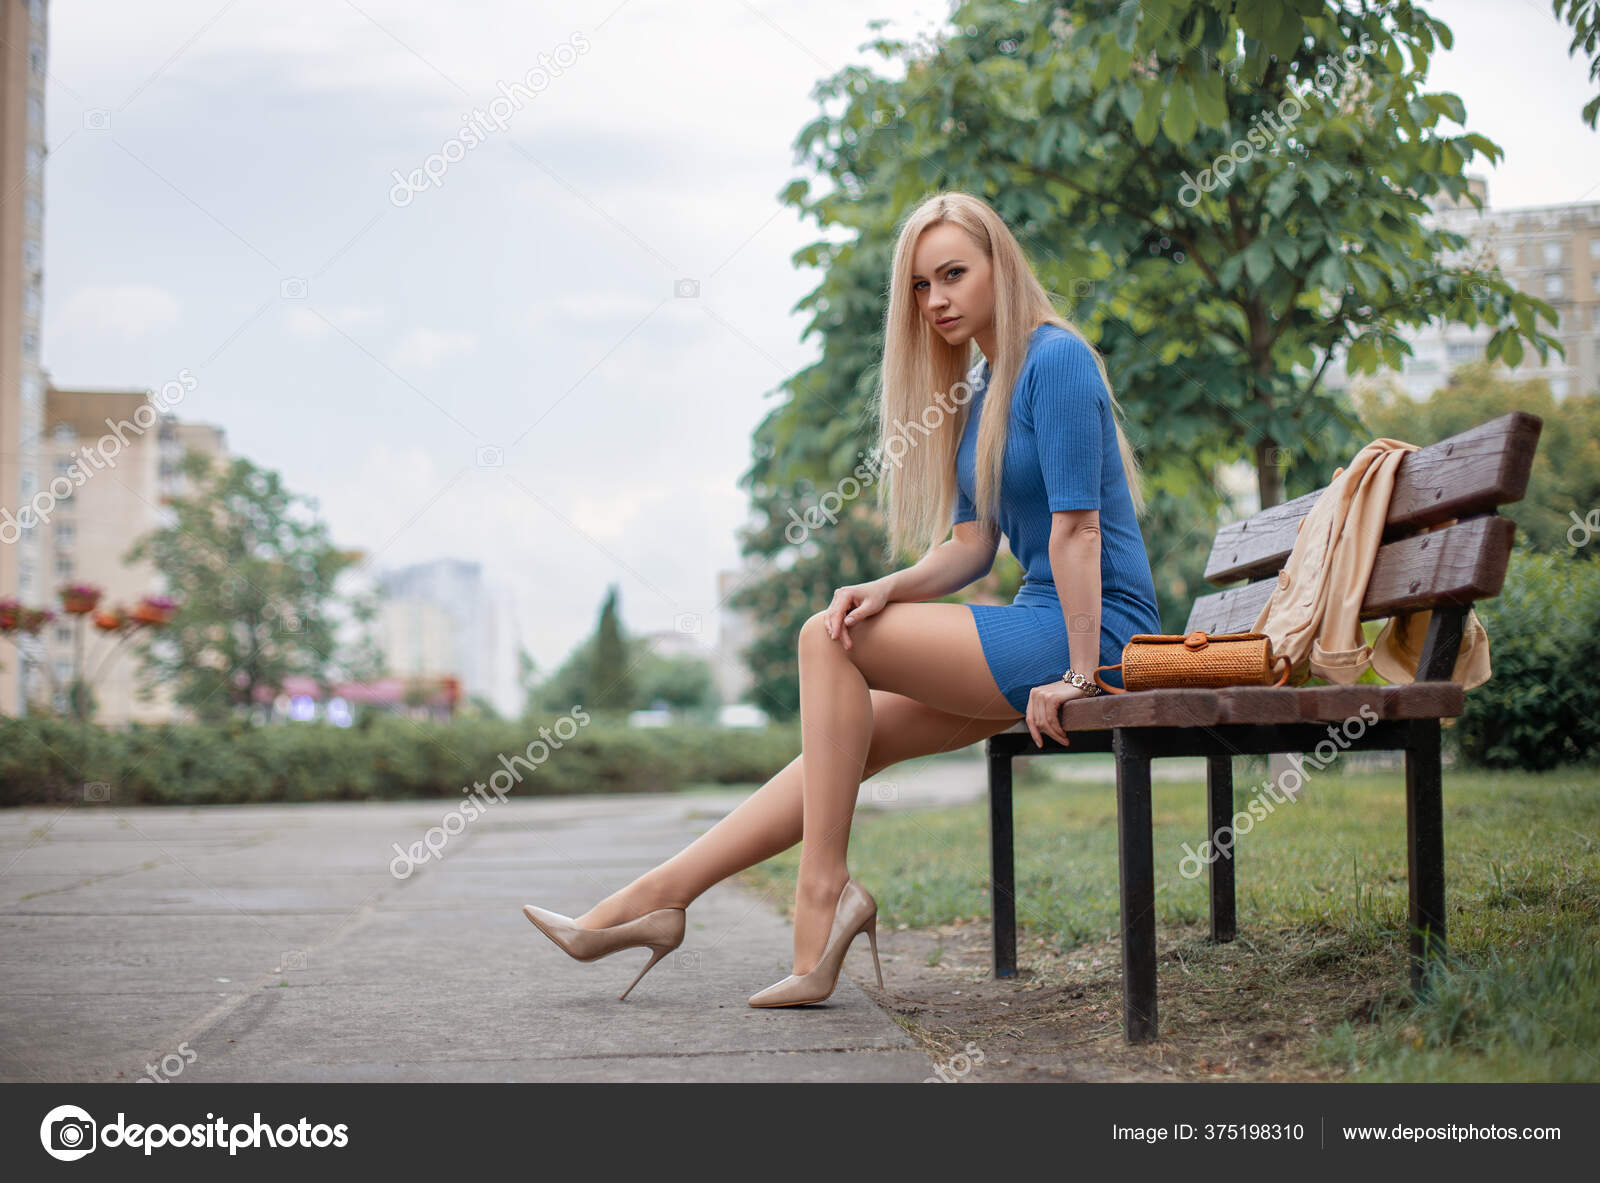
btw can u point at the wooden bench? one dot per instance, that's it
(1466, 477)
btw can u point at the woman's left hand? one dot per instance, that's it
(1044, 710)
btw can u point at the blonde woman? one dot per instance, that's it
(1032, 449)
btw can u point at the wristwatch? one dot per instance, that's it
(1087, 685)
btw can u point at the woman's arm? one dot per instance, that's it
(947, 568)
(1075, 563)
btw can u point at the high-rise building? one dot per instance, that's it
(22, 75)
(110, 462)
(735, 632)
(1548, 251)
(441, 619)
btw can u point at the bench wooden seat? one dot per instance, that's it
(1259, 704)
(1422, 563)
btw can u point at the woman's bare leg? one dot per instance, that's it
(768, 822)
(928, 651)
(902, 727)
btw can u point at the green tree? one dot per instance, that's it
(1228, 197)
(683, 683)
(1565, 478)
(255, 579)
(610, 676)
(527, 682)
(1583, 16)
(1233, 196)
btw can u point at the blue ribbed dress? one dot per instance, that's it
(1061, 453)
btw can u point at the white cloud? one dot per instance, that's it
(125, 312)
(608, 515)
(306, 324)
(423, 348)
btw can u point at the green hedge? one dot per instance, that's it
(1541, 705)
(50, 761)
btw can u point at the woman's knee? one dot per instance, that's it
(814, 632)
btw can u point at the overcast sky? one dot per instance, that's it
(220, 197)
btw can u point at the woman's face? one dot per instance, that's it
(952, 281)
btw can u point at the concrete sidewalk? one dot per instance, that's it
(273, 943)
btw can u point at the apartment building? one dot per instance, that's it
(1548, 251)
(111, 465)
(22, 151)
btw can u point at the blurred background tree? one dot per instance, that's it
(1565, 478)
(256, 575)
(615, 673)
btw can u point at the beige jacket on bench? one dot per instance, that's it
(1313, 616)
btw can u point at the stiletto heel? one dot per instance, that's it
(660, 952)
(855, 911)
(661, 931)
(872, 935)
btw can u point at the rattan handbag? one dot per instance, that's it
(1155, 661)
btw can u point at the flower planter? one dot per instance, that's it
(153, 612)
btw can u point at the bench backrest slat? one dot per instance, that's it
(1454, 565)
(1467, 474)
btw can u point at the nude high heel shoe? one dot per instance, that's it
(662, 930)
(856, 910)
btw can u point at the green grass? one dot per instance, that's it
(1322, 891)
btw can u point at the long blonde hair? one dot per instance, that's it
(923, 374)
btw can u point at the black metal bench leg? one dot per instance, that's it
(1219, 813)
(1137, 861)
(1002, 879)
(1425, 849)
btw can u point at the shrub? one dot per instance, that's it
(49, 760)
(1541, 705)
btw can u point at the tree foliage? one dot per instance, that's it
(1564, 483)
(255, 579)
(1228, 196)
(613, 671)
(1584, 18)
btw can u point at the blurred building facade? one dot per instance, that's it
(735, 632)
(1548, 251)
(22, 150)
(116, 476)
(443, 619)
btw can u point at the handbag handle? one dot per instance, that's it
(1100, 682)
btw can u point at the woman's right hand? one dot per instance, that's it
(852, 604)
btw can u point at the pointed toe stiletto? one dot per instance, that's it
(660, 930)
(856, 910)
